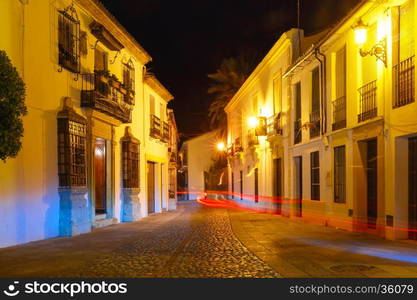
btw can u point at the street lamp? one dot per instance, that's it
(253, 122)
(379, 50)
(221, 146)
(361, 32)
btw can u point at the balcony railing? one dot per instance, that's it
(235, 147)
(339, 113)
(155, 128)
(297, 131)
(275, 125)
(403, 80)
(165, 132)
(98, 92)
(253, 139)
(315, 124)
(367, 102)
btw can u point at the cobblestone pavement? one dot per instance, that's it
(195, 242)
(199, 245)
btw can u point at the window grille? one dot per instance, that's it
(69, 39)
(367, 102)
(339, 113)
(71, 148)
(403, 80)
(130, 160)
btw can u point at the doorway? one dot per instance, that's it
(100, 177)
(298, 162)
(278, 184)
(256, 185)
(412, 188)
(371, 182)
(151, 186)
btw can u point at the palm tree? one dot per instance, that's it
(227, 81)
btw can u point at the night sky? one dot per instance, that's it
(188, 40)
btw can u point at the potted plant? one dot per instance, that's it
(103, 75)
(131, 93)
(115, 81)
(129, 96)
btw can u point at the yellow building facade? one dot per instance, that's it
(88, 134)
(339, 148)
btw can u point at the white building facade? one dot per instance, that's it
(87, 140)
(341, 148)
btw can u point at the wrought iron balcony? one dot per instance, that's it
(155, 128)
(297, 131)
(403, 80)
(315, 123)
(103, 94)
(253, 139)
(235, 147)
(275, 125)
(367, 102)
(339, 113)
(165, 132)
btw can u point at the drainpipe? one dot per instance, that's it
(322, 59)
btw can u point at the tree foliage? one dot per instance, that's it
(12, 108)
(227, 80)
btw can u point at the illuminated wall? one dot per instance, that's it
(29, 199)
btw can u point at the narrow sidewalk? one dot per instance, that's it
(297, 249)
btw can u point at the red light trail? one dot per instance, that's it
(220, 201)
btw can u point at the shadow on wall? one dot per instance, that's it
(50, 171)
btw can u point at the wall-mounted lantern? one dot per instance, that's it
(379, 50)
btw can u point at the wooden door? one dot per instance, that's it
(151, 186)
(100, 176)
(372, 182)
(278, 184)
(412, 188)
(298, 161)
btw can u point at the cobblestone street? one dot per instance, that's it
(197, 241)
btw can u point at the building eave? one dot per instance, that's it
(158, 87)
(282, 42)
(305, 58)
(100, 13)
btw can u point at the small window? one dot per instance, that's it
(83, 43)
(129, 75)
(68, 40)
(297, 121)
(151, 105)
(100, 59)
(277, 83)
(315, 175)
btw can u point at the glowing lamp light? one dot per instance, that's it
(253, 122)
(361, 31)
(266, 112)
(221, 146)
